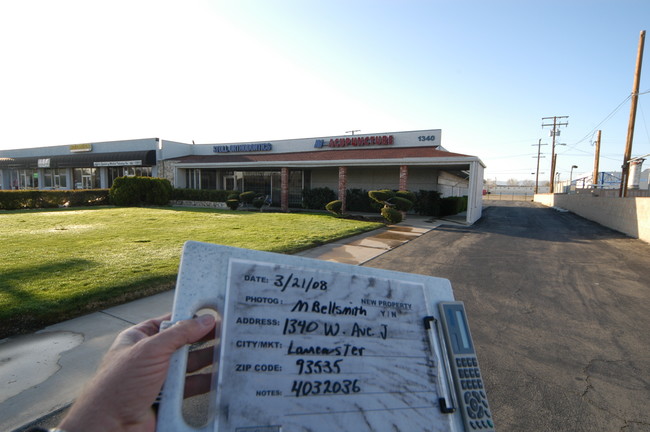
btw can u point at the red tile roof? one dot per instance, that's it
(325, 155)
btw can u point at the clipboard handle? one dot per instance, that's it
(430, 323)
(170, 411)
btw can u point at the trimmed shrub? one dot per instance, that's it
(135, 191)
(232, 204)
(258, 202)
(391, 215)
(335, 207)
(394, 203)
(247, 197)
(408, 195)
(381, 196)
(233, 196)
(22, 199)
(317, 198)
(401, 204)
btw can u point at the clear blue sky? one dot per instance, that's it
(215, 71)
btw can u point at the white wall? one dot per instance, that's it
(475, 195)
(401, 139)
(325, 177)
(627, 215)
(422, 178)
(451, 185)
(172, 149)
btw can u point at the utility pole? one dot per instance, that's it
(594, 179)
(553, 165)
(630, 128)
(539, 147)
(353, 131)
(557, 122)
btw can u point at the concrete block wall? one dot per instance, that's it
(630, 216)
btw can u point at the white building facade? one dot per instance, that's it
(279, 169)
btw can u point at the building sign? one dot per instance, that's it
(242, 148)
(44, 163)
(118, 163)
(79, 148)
(355, 141)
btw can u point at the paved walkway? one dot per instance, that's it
(42, 373)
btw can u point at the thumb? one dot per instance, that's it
(182, 333)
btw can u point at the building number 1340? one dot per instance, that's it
(427, 138)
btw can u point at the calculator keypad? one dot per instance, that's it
(477, 411)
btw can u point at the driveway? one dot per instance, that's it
(559, 308)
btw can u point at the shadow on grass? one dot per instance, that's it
(57, 209)
(24, 310)
(12, 280)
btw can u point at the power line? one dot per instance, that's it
(591, 133)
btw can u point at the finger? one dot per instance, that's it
(180, 334)
(211, 335)
(140, 331)
(197, 384)
(200, 358)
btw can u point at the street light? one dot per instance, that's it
(571, 175)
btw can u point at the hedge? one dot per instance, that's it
(317, 198)
(427, 203)
(135, 191)
(24, 199)
(357, 200)
(453, 205)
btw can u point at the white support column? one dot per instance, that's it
(475, 192)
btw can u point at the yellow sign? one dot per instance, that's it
(78, 148)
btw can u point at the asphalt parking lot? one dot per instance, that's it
(559, 308)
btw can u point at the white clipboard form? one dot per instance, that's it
(309, 345)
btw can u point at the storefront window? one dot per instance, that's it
(24, 179)
(208, 179)
(296, 185)
(193, 178)
(265, 183)
(54, 179)
(259, 182)
(86, 178)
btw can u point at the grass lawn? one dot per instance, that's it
(58, 264)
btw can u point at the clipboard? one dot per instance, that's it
(309, 345)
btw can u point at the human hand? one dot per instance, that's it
(120, 396)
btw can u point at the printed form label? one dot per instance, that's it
(306, 349)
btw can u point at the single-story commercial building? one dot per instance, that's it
(280, 169)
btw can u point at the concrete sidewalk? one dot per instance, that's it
(42, 373)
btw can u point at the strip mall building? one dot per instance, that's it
(411, 160)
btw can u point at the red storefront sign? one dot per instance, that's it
(362, 141)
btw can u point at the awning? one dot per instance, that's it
(88, 160)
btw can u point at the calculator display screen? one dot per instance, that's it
(461, 341)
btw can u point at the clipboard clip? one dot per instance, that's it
(449, 393)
